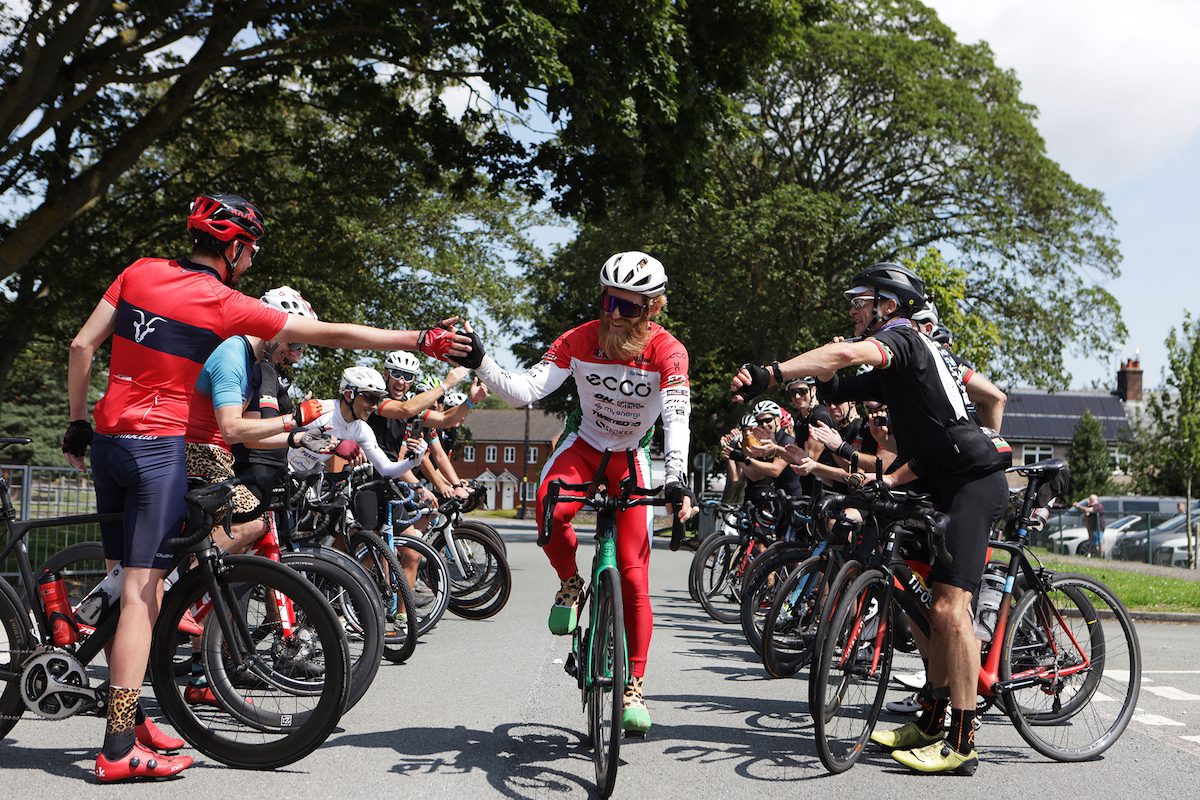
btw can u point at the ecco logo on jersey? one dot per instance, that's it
(626, 387)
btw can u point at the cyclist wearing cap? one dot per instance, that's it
(166, 316)
(937, 440)
(628, 372)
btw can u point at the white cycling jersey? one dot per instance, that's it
(300, 459)
(621, 400)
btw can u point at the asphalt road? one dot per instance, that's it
(483, 709)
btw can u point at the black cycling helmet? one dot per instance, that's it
(899, 281)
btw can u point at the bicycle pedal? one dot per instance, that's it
(570, 667)
(635, 734)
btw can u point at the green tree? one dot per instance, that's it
(1164, 447)
(631, 88)
(877, 136)
(1088, 457)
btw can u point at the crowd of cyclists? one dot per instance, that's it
(198, 386)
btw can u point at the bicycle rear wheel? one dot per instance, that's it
(605, 685)
(793, 618)
(383, 567)
(358, 608)
(486, 530)
(1074, 655)
(280, 692)
(853, 670)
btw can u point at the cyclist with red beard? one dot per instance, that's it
(628, 372)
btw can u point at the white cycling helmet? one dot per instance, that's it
(363, 379)
(769, 407)
(402, 360)
(424, 385)
(749, 421)
(285, 298)
(634, 271)
(926, 314)
(453, 399)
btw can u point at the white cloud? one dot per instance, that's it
(1115, 82)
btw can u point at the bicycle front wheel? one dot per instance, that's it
(719, 568)
(399, 602)
(791, 622)
(1074, 668)
(605, 683)
(280, 687)
(480, 578)
(853, 670)
(16, 642)
(431, 592)
(358, 609)
(763, 579)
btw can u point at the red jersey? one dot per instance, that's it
(171, 315)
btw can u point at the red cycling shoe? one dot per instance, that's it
(148, 734)
(140, 764)
(189, 625)
(195, 695)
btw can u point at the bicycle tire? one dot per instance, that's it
(763, 579)
(16, 642)
(607, 659)
(1057, 715)
(793, 618)
(358, 608)
(480, 577)
(722, 568)
(82, 567)
(841, 581)
(399, 634)
(486, 530)
(276, 717)
(851, 688)
(432, 590)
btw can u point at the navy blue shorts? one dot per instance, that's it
(146, 479)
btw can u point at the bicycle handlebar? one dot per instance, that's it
(631, 495)
(874, 499)
(205, 501)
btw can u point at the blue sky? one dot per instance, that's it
(1117, 90)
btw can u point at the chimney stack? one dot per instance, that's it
(1129, 380)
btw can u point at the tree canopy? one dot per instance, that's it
(875, 137)
(86, 88)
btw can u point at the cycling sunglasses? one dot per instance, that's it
(627, 308)
(401, 375)
(296, 347)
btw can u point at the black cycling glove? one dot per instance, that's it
(77, 438)
(473, 359)
(760, 381)
(675, 493)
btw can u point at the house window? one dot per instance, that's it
(1032, 453)
(531, 488)
(531, 455)
(510, 455)
(489, 454)
(468, 452)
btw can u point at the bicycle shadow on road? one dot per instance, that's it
(517, 758)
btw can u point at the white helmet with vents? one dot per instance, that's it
(402, 360)
(285, 298)
(768, 408)
(363, 379)
(634, 271)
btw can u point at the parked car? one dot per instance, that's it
(1132, 546)
(1068, 542)
(1174, 552)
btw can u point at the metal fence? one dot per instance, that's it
(45, 493)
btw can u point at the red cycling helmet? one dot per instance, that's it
(226, 217)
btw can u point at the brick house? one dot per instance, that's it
(495, 453)
(1041, 425)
